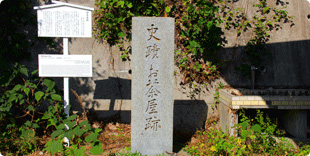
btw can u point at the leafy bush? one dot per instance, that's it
(24, 118)
(21, 108)
(76, 133)
(260, 135)
(255, 137)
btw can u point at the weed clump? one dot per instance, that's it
(259, 136)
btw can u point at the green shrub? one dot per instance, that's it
(78, 135)
(20, 108)
(23, 119)
(257, 136)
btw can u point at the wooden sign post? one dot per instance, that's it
(64, 20)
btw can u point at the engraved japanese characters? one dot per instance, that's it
(152, 84)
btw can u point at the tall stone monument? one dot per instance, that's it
(152, 85)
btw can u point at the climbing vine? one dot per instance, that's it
(199, 26)
(269, 16)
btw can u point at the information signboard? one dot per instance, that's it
(64, 21)
(65, 65)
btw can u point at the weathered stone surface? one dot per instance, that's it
(152, 85)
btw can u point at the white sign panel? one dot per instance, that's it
(65, 65)
(64, 21)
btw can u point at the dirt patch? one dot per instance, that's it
(115, 137)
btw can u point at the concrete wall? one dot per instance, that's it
(109, 90)
(289, 66)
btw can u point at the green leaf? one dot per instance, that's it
(56, 133)
(168, 9)
(91, 137)
(88, 127)
(61, 127)
(27, 90)
(244, 124)
(34, 72)
(210, 24)
(124, 56)
(27, 133)
(80, 152)
(12, 97)
(38, 95)
(35, 126)
(17, 87)
(31, 108)
(72, 117)
(53, 146)
(70, 124)
(46, 116)
(69, 134)
(96, 148)
(24, 71)
(28, 123)
(129, 5)
(97, 130)
(20, 97)
(53, 122)
(83, 123)
(121, 34)
(257, 128)
(244, 134)
(79, 140)
(56, 97)
(266, 9)
(78, 131)
(49, 83)
(121, 3)
(32, 85)
(194, 44)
